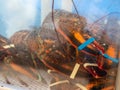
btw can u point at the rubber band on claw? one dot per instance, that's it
(110, 58)
(89, 41)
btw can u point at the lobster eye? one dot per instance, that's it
(104, 45)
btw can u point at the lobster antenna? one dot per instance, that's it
(96, 20)
(103, 17)
(54, 20)
(54, 24)
(75, 8)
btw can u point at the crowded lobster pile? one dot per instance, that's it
(80, 56)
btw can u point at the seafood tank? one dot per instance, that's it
(59, 45)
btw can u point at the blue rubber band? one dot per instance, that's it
(89, 41)
(110, 58)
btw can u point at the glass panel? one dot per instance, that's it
(59, 45)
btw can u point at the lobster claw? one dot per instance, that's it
(95, 70)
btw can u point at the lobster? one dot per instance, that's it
(65, 45)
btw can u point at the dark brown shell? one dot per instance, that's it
(4, 52)
(26, 44)
(58, 53)
(54, 51)
(64, 19)
(53, 47)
